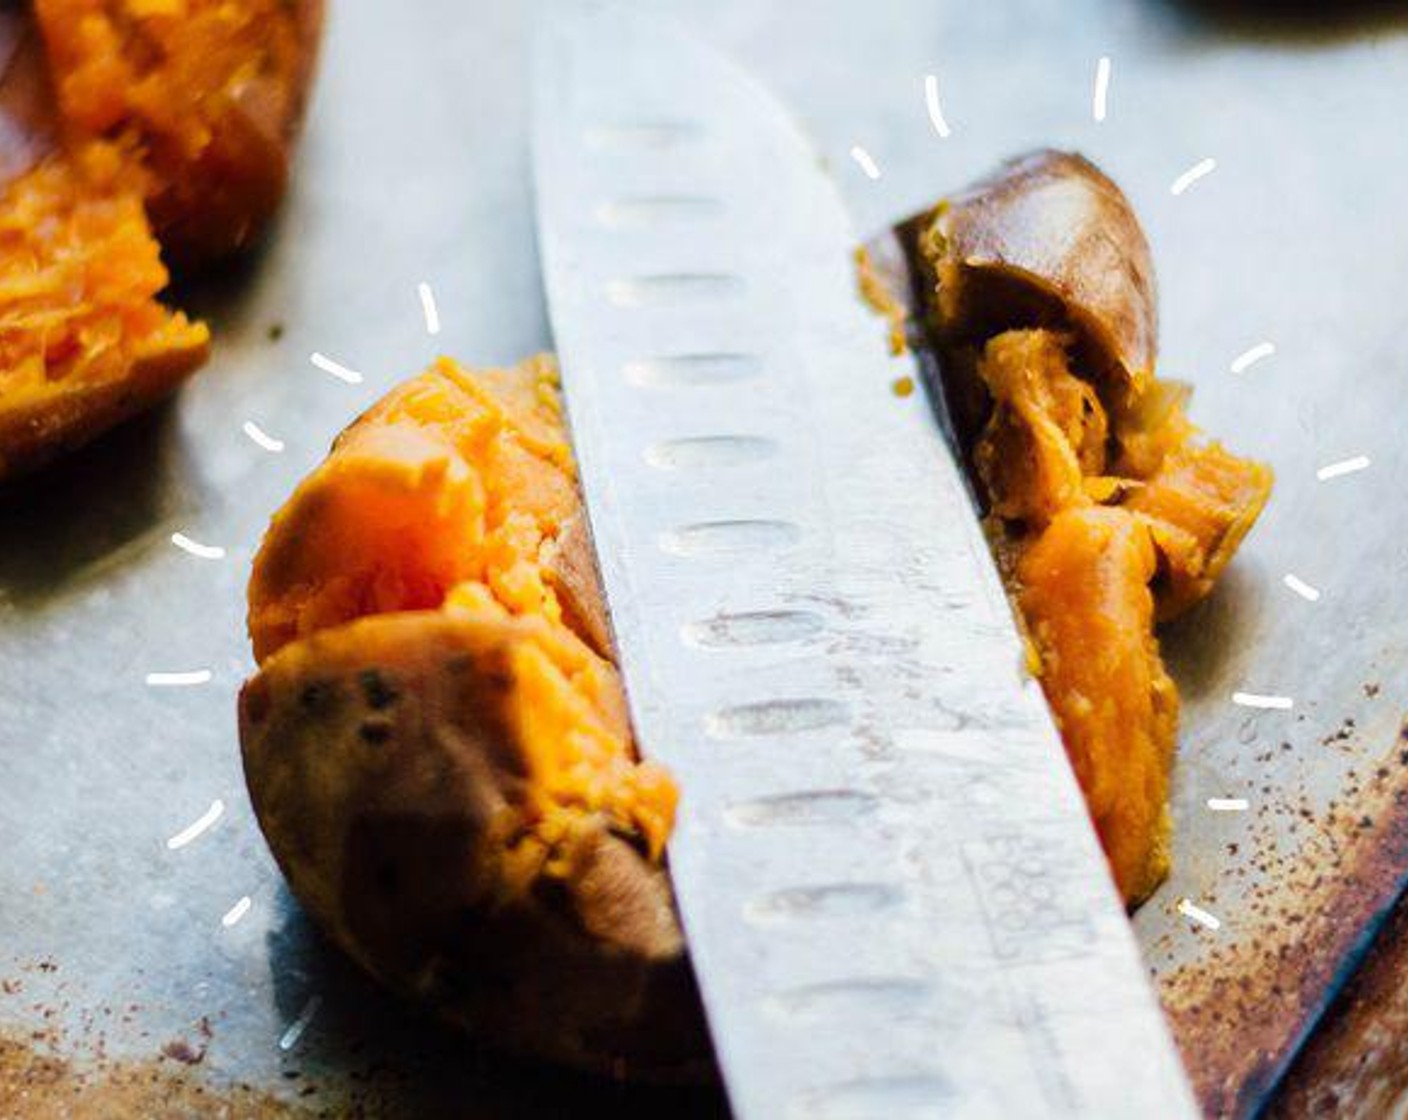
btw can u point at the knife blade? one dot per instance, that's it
(894, 899)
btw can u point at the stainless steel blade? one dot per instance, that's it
(893, 896)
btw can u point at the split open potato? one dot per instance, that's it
(132, 134)
(436, 741)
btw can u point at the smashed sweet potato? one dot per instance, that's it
(132, 132)
(209, 93)
(84, 343)
(1107, 510)
(436, 742)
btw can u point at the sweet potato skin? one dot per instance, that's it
(1048, 240)
(385, 774)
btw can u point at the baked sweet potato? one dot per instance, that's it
(208, 93)
(84, 343)
(436, 741)
(132, 132)
(1105, 507)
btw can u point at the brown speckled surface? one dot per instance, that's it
(415, 169)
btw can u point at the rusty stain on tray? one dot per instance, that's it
(1241, 1012)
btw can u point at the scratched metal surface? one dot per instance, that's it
(415, 169)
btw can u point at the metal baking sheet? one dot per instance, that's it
(113, 950)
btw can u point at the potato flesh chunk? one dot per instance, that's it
(1093, 558)
(83, 340)
(456, 493)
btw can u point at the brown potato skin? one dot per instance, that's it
(384, 776)
(32, 437)
(1048, 240)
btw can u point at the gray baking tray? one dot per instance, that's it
(113, 950)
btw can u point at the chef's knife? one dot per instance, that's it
(893, 896)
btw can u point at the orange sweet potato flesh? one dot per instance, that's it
(84, 343)
(209, 93)
(133, 134)
(1106, 508)
(436, 742)
(453, 493)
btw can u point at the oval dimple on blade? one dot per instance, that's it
(777, 717)
(701, 452)
(646, 135)
(827, 900)
(753, 628)
(730, 538)
(673, 289)
(689, 371)
(659, 210)
(807, 807)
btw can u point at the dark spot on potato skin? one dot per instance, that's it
(375, 732)
(379, 692)
(317, 697)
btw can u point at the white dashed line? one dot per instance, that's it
(1301, 588)
(1192, 175)
(867, 164)
(261, 437)
(197, 826)
(1227, 804)
(1198, 914)
(289, 1039)
(1343, 467)
(1244, 361)
(236, 912)
(936, 112)
(337, 369)
(185, 678)
(196, 549)
(1259, 700)
(427, 304)
(1100, 102)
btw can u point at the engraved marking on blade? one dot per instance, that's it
(646, 134)
(890, 997)
(913, 1097)
(673, 289)
(1020, 880)
(809, 807)
(659, 210)
(753, 628)
(776, 717)
(710, 451)
(830, 900)
(670, 371)
(729, 538)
